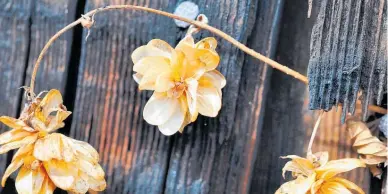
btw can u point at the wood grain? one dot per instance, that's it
(14, 40)
(215, 155)
(49, 17)
(25, 27)
(108, 108)
(288, 122)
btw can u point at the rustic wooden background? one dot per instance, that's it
(264, 112)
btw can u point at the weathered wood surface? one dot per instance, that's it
(348, 55)
(288, 122)
(47, 18)
(237, 152)
(108, 108)
(14, 41)
(215, 155)
(25, 27)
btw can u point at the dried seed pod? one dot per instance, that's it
(372, 151)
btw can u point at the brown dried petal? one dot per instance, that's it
(372, 151)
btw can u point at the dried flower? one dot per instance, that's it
(372, 151)
(184, 81)
(49, 160)
(315, 174)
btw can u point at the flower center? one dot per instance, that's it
(177, 90)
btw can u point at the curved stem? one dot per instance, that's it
(199, 24)
(314, 133)
(220, 33)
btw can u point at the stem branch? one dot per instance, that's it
(313, 134)
(199, 24)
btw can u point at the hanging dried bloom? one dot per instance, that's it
(184, 81)
(372, 151)
(315, 174)
(49, 160)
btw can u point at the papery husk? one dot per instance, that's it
(371, 150)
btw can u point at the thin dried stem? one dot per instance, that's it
(199, 24)
(314, 133)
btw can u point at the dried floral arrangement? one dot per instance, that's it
(185, 83)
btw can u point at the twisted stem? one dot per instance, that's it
(198, 24)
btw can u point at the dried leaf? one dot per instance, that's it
(372, 151)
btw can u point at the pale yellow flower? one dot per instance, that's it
(49, 160)
(184, 81)
(316, 175)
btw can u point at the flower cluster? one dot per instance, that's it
(184, 81)
(48, 160)
(315, 174)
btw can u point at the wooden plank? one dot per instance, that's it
(288, 122)
(215, 155)
(109, 106)
(26, 26)
(14, 48)
(49, 17)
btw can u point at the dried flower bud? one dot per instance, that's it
(86, 21)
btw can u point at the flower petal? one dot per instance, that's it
(186, 42)
(208, 101)
(163, 82)
(80, 185)
(16, 164)
(12, 122)
(333, 188)
(38, 177)
(92, 170)
(207, 43)
(54, 146)
(153, 64)
(154, 73)
(316, 186)
(137, 77)
(61, 173)
(209, 58)
(97, 184)
(57, 121)
(30, 181)
(148, 51)
(212, 79)
(298, 165)
(48, 187)
(24, 181)
(347, 184)
(174, 123)
(51, 102)
(186, 64)
(335, 167)
(23, 151)
(13, 135)
(17, 144)
(159, 108)
(301, 185)
(191, 96)
(161, 45)
(85, 150)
